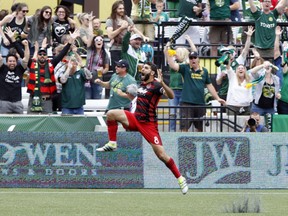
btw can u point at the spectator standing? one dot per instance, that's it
(196, 78)
(41, 85)
(141, 11)
(176, 84)
(265, 24)
(73, 90)
(220, 11)
(11, 75)
(18, 23)
(144, 119)
(282, 103)
(192, 10)
(239, 97)
(176, 80)
(86, 32)
(131, 51)
(40, 27)
(247, 17)
(267, 88)
(160, 16)
(62, 24)
(58, 71)
(118, 84)
(222, 78)
(116, 26)
(235, 13)
(98, 63)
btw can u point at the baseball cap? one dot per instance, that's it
(135, 36)
(122, 63)
(42, 50)
(193, 54)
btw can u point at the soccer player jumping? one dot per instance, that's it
(144, 119)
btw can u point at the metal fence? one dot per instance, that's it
(214, 120)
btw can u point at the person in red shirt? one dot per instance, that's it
(144, 119)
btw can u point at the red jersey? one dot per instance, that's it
(147, 101)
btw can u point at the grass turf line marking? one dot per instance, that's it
(144, 192)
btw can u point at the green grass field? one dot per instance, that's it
(24, 202)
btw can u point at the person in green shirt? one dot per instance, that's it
(73, 87)
(172, 6)
(131, 51)
(220, 11)
(196, 78)
(118, 85)
(265, 24)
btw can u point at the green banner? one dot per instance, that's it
(280, 123)
(48, 123)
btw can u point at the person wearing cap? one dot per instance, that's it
(144, 119)
(11, 75)
(118, 84)
(196, 78)
(176, 80)
(116, 27)
(41, 84)
(131, 51)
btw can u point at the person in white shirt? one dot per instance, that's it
(239, 97)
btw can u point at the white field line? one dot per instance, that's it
(145, 192)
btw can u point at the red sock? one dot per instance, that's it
(172, 166)
(112, 130)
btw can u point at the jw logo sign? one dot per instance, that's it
(215, 160)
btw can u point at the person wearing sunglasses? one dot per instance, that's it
(97, 62)
(86, 32)
(18, 24)
(40, 27)
(196, 78)
(41, 84)
(118, 85)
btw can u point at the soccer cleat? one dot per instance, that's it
(108, 147)
(183, 185)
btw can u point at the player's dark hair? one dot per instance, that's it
(11, 54)
(153, 67)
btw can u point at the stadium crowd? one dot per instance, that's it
(44, 52)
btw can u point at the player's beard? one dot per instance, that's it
(144, 77)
